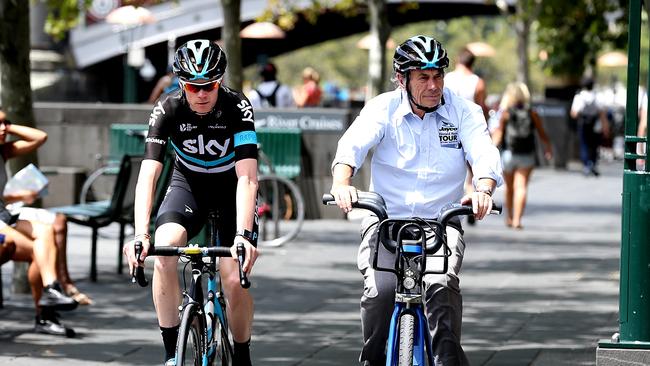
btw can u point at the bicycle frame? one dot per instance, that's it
(207, 311)
(410, 268)
(412, 252)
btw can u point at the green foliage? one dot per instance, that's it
(573, 32)
(342, 63)
(286, 13)
(63, 15)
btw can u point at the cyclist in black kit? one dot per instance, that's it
(211, 129)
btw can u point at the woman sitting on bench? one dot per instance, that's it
(34, 241)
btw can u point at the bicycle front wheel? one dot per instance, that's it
(189, 349)
(281, 210)
(223, 356)
(406, 334)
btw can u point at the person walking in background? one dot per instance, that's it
(31, 241)
(309, 93)
(270, 93)
(592, 125)
(464, 82)
(516, 129)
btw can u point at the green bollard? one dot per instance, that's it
(635, 261)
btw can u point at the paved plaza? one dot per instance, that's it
(542, 296)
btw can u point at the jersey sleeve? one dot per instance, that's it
(245, 136)
(156, 141)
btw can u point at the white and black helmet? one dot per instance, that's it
(199, 60)
(420, 53)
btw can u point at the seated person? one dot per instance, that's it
(32, 241)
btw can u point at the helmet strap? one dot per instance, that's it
(417, 105)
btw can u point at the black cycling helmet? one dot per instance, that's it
(199, 60)
(419, 52)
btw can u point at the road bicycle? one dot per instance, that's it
(413, 240)
(203, 336)
(280, 208)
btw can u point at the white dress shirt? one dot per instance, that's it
(418, 165)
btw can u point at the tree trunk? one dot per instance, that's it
(379, 33)
(15, 89)
(232, 42)
(522, 28)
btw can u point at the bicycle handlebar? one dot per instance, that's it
(170, 251)
(375, 203)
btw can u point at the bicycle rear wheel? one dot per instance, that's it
(406, 334)
(189, 349)
(100, 184)
(281, 210)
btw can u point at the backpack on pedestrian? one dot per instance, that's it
(519, 131)
(269, 100)
(589, 117)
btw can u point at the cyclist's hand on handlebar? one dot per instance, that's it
(481, 203)
(344, 195)
(129, 252)
(251, 253)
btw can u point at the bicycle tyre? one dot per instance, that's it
(190, 345)
(282, 219)
(224, 354)
(100, 184)
(406, 334)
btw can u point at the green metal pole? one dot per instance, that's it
(130, 86)
(634, 306)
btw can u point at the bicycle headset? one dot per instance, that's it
(420, 53)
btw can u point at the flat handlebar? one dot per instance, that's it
(375, 203)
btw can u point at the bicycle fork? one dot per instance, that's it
(421, 341)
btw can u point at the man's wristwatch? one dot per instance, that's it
(484, 189)
(246, 234)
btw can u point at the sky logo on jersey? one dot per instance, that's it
(211, 147)
(245, 137)
(246, 111)
(155, 113)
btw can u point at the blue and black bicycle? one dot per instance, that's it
(413, 240)
(203, 336)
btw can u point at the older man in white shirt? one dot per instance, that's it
(423, 136)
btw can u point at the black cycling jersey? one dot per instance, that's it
(209, 143)
(207, 148)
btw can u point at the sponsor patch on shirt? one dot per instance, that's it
(449, 136)
(245, 137)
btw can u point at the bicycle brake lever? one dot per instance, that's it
(241, 256)
(138, 272)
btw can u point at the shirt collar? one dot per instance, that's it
(404, 107)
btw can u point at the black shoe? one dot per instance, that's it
(53, 327)
(595, 172)
(54, 298)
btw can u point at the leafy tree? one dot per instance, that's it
(232, 42)
(573, 32)
(15, 85)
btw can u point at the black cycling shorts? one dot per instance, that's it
(189, 204)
